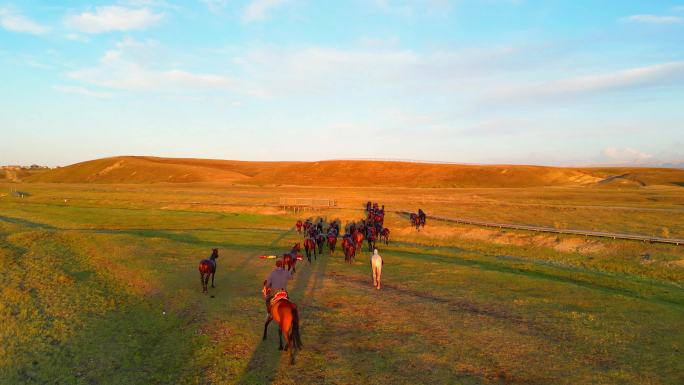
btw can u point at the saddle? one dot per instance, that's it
(279, 296)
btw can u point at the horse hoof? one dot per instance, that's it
(280, 348)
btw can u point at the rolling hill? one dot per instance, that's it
(140, 169)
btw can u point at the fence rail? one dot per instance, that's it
(540, 229)
(298, 204)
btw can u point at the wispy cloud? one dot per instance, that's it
(113, 18)
(654, 19)
(82, 91)
(123, 68)
(215, 6)
(258, 10)
(15, 22)
(625, 155)
(649, 76)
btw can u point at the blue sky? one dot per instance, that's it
(473, 81)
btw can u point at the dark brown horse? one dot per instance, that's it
(290, 259)
(332, 241)
(285, 313)
(415, 220)
(207, 267)
(371, 242)
(384, 235)
(299, 225)
(309, 247)
(320, 241)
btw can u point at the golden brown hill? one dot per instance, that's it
(17, 174)
(133, 169)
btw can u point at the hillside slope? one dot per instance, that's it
(132, 169)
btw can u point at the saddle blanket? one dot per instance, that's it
(279, 296)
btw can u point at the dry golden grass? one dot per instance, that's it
(129, 169)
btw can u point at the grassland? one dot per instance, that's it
(99, 286)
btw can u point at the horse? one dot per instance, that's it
(376, 267)
(415, 220)
(307, 225)
(320, 241)
(207, 267)
(368, 207)
(309, 246)
(290, 259)
(371, 242)
(358, 239)
(384, 235)
(285, 313)
(349, 249)
(299, 225)
(332, 241)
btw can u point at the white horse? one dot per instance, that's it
(376, 266)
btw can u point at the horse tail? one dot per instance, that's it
(294, 330)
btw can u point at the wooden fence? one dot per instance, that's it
(541, 229)
(299, 204)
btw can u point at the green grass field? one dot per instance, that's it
(103, 288)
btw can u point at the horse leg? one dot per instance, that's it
(268, 321)
(379, 274)
(204, 289)
(280, 338)
(212, 279)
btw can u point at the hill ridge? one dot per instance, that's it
(351, 173)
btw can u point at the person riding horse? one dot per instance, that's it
(421, 215)
(276, 283)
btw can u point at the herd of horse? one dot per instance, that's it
(317, 234)
(284, 311)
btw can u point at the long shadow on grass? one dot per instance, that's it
(117, 338)
(669, 295)
(265, 360)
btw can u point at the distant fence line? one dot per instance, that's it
(540, 229)
(299, 204)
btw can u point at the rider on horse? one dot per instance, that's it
(276, 285)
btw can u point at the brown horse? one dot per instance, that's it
(357, 237)
(349, 249)
(415, 220)
(371, 242)
(310, 246)
(332, 241)
(290, 259)
(384, 235)
(320, 241)
(299, 225)
(207, 267)
(285, 313)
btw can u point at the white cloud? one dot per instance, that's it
(625, 154)
(127, 67)
(654, 19)
(113, 18)
(15, 22)
(83, 91)
(654, 75)
(257, 10)
(215, 6)
(408, 8)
